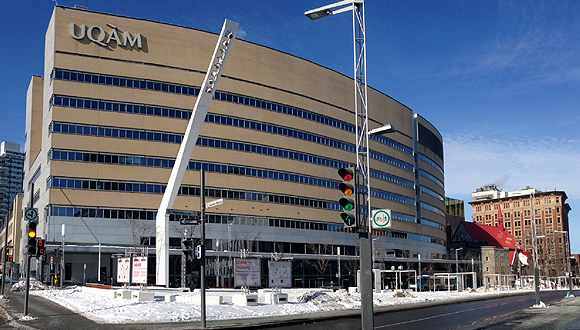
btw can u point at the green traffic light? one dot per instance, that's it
(347, 204)
(349, 219)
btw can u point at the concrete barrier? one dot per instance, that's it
(143, 296)
(245, 299)
(209, 300)
(123, 294)
(278, 298)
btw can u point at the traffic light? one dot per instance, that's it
(40, 251)
(187, 247)
(347, 186)
(31, 247)
(10, 258)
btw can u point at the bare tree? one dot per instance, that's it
(352, 264)
(141, 230)
(321, 263)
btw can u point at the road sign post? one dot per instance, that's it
(214, 203)
(381, 219)
(31, 214)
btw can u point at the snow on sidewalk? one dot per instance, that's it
(100, 305)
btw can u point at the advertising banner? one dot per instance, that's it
(123, 268)
(247, 272)
(280, 274)
(140, 270)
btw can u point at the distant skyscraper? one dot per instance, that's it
(11, 174)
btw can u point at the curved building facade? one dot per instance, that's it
(105, 123)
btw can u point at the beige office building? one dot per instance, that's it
(549, 212)
(105, 123)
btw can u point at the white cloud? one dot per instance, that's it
(512, 162)
(241, 34)
(544, 163)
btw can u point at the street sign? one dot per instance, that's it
(31, 214)
(214, 203)
(381, 219)
(198, 251)
(180, 212)
(189, 221)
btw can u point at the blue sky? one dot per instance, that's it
(499, 79)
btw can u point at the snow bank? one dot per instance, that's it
(100, 306)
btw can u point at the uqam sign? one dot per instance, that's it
(104, 38)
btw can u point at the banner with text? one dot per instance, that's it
(140, 270)
(247, 272)
(123, 270)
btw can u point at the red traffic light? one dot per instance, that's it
(40, 246)
(347, 174)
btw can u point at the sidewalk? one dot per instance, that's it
(563, 314)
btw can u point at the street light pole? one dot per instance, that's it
(568, 256)
(362, 141)
(535, 246)
(457, 268)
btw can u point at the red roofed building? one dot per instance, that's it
(496, 248)
(488, 236)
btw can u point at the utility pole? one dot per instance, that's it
(202, 230)
(4, 259)
(535, 246)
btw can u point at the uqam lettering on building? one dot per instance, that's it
(104, 38)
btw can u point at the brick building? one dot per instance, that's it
(516, 212)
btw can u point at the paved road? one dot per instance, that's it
(500, 313)
(503, 313)
(560, 315)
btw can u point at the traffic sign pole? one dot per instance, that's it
(202, 234)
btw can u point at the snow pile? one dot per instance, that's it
(541, 305)
(21, 286)
(325, 301)
(403, 294)
(102, 307)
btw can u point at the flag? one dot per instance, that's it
(523, 258)
(500, 219)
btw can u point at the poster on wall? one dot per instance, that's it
(247, 272)
(280, 274)
(140, 270)
(123, 268)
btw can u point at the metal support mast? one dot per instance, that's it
(363, 161)
(206, 93)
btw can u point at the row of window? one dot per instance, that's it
(432, 193)
(222, 193)
(223, 96)
(129, 214)
(219, 95)
(210, 167)
(153, 188)
(432, 178)
(430, 162)
(223, 120)
(211, 142)
(432, 208)
(517, 223)
(433, 224)
(507, 205)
